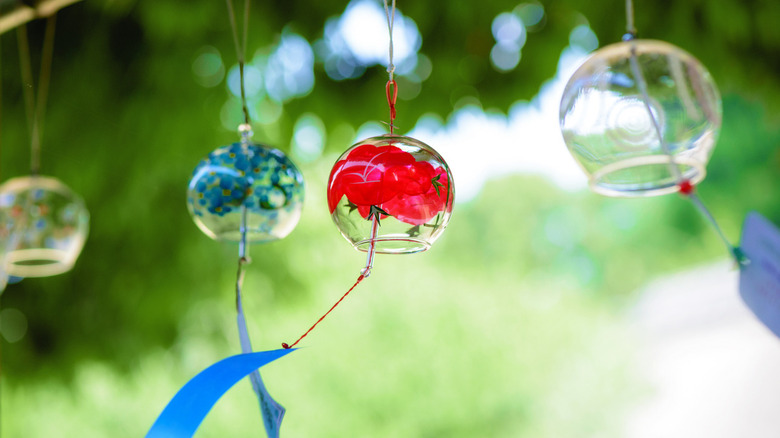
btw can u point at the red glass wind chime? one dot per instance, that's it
(388, 194)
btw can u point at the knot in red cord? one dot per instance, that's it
(392, 97)
(685, 187)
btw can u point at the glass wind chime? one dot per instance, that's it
(641, 117)
(247, 192)
(389, 194)
(43, 224)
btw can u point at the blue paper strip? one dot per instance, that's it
(188, 408)
(759, 279)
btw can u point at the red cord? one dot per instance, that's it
(286, 346)
(391, 99)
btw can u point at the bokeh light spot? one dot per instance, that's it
(207, 68)
(13, 325)
(531, 14)
(308, 138)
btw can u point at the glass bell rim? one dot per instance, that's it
(38, 182)
(419, 244)
(52, 262)
(234, 236)
(694, 173)
(642, 44)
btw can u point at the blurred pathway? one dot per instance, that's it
(713, 369)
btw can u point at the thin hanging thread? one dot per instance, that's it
(243, 259)
(364, 273)
(630, 28)
(36, 110)
(685, 187)
(240, 50)
(391, 89)
(25, 67)
(288, 346)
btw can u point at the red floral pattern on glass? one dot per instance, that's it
(388, 180)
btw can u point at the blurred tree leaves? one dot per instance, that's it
(127, 122)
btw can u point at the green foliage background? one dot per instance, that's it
(512, 325)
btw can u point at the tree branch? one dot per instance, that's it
(22, 13)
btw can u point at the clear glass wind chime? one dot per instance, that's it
(43, 224)
(641, 117)
(247, 192)
(389, 194)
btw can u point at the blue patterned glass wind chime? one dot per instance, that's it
(247, 192)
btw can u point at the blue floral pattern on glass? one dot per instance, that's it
(246, 177)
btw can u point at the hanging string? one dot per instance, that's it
(240, 50)
(25, 67)
(684, 186)
(364, 273)
(243, 259)
(390, 14)
(391, 89)
(272, 411)
(630, 28)
(288, 346)
(36, 109)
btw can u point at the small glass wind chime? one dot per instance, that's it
(247, 192)
(389, 194)
(43, 224)
(641, 117)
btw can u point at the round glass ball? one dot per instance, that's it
(639, 117)
(43, 226)
(399, 181)
(247, 182)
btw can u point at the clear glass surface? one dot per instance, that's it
(399, 180)
(640, 115)
(43, 226)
